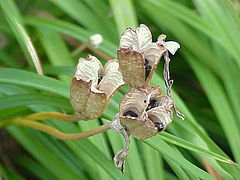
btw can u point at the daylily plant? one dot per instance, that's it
(143, 112)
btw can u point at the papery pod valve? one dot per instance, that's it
(93, 86)
(144, 112)
(139, 56)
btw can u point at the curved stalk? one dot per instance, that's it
(53, 115)
(55, 132)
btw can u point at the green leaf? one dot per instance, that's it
(56, 50)
(124, 14)
(72, 30)
(153, 162)
(30, 99)
(81, 13)
(219, 100)
(34, 167)
(24, 78)
(41, 153)
(167, 151)
(187, 145)
(14, 18)
(8, 175)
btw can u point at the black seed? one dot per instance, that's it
(145, 101)
(159, 125)
(99, 78)
(147, 67)
(152, 104)
(130, 113)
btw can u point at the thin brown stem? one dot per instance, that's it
(99, 53)
(55, 132)
(53, 115)
(79, 49)
(211, 170)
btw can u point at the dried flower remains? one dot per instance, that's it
(144, 110)
(138, 56)
(93, 86)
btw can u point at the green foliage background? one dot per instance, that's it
(205, 71)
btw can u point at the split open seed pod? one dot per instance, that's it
(138, 56)
(93, 86)
(144, 112)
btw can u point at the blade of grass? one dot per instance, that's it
(124, 14)
(99, 141)
(8, 175)
(184, 35)
(167, 151)
(219, 100)
(72, 30)
(185, 144)
(177, 169)
(82, 14)
(24, 78)
(56, 50)
(7, 60)
(57, 148)
(230, 74)
(153, 162)
(14, 18)
(58, 70)
(41, 153)
(224, 24)
(29, 99)
(33, 167)
(101, 8)
(135, 162)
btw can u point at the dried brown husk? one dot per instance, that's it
(131, 65)
(138, 56)
(137, 100)
(88, 97)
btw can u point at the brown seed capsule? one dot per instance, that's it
(93, 86)
(138, 56)
(145, 111)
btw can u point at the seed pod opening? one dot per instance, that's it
(93, 86)
(138, 56)
(131, 112)
(145, 111)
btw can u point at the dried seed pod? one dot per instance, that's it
(138, 56)
(145, 111)
(93, 86)
(171, 46)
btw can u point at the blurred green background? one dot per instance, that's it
(205, 70)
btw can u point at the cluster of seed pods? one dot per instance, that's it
(144, 110)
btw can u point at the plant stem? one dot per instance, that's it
(79, 49)
(53, 115)
(55, 132)
(99, 53)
